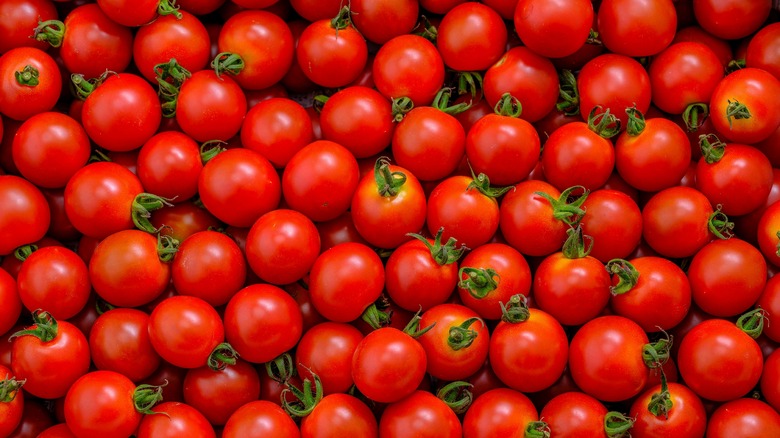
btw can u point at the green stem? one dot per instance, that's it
(9, 387)
(627, 274)
(752, 322)
(481, 182)
(712, 149)
(537, 429)
(306, 399)
(479, 281)
(44, 327)
(400, 107)
(442, 254)
(636, 121)
(457, 395)
(50, 31)
(227, 62)
(167, 7)
(694, 116)
(428, 31)
(281, 369)
(508, 106)
(211, 149)
(388, 183)
(604, 124)
(515, 310)
(375, 317)
(223, 355)
(25, 251)
(617, 425)
(469, 82)
(145, 397)
(656, 354)
(461, 336)
(167, 247)
(143, 206)
(570, 212)
(661, 402)
(28, 77)
(736, 110)
(577, 244)
(413, 326)
(342, 20)
(442, 103)
(719, 224)
(569, 96)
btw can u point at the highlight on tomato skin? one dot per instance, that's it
(385, 218)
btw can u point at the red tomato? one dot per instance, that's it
(339, 415)
(262, 322)
(11, 402)
(382, 20)
(24, 213)
(624, 27)
(576, 154)
(345, 280)
(422, 415)
(388, 365)
(471, 37)
(770, 302)
(770, 380)
(614, 222)
(683, 74)
(178, 418)
(218, 394)
(743, 417)
(719, 361)
(575, 414)
(132, 13)
(56, 279)
(182, 220)
(553, 29)
(260, 417)
(409, 66)
(118, 335)
(331, 52)
(499, 412)
(739, 108)
(429, 142)
(731, 19)
(210, 107)
(169, 164)
(457, 344)
(10, 298)
(277, 128)
(603, 345)
(615, 82)
(358, 118)
(326, 350)
(761, 51)
(30, 83)
(675, 222)
(18, 17)
(686, 417)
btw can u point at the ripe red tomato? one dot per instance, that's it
(499, 412)
(614, 82)
(261, 322)
(11, 403)
(409, 66)
(30, 83)
(218, 394)
(388, 365)
(770, 380)
(770, 302)
(24, 213)
(326, 350)
(675, 222)
(382, 20)
(358, 118)
(260, 417)
(471, 37)
(277, 128)
(575, 154)
(553, 29)
(169, 164)
(624, 27)
(614, 222)
(457, 344)
(10, 298)
(743, 417)
(56, 279)
(339, 415)
(134, 14)
(429, 142)
(686, 417)
(731, 19)
(421, 414)
(603, 345)
(210, 107)
(331, 52)
(18, 17)
(739, 109)
(761, 51)
(574, 414)
(182, 220)
(685, 73)
(172, 418)
(719, 361)
(119, 334)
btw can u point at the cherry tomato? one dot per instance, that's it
(30, 83)
(169, 164)
(457, 345)
(382, 20)
(327, 350)
(260, 417)
(731, 19)
(743, 417)
(339, 415)
(760, 52)
(499, 412)
(553, 29)
(409, 66)
(683, 74)
(12, 402)
(119, 335)
(178, 418)
(471, 37)
(739, 109)
(18, 17)
(24, 213)
(624, 27)
(218, 394)
(358, 118)
(615, 82)
(575, 414)
(614, 222)
(277, 128)
(56, 279)
(421, 414)
(210, 107)
(331, 52)
(675, 222)
(686, 417)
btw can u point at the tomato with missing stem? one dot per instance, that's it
(743, 417)
(762, 50)
(499, 412)
(218, 394)
(770, 302)
(118, 335)
(739, 108)
(471, 37)
(553, 29)
(360, 119)
(326, 350)
(56, 279)
(614, 222)
(210, 107)
(381, 20)
(277, 128)
(731, 19)
(409, 66)
(30, 82)
(169, 164)
(172, 418)
(421, 414)
(24, 213)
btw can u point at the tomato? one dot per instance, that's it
(575, 414)
(760, 51)
(605, 344)
(182, 220)
(238, 186)
(739, 109)
(731, 19)
(457, 344)
(24, 213)
(210, 107)
(358, 118)
(11, 403)
(18, 17)
(737, 177)
(659, 300)
(471, 37)
(320, 180)
(260, 417)
(743, 417)
(326, 350)
(675, 222)
(103, 402)
(686, 417)
(60, 430)
(553, 29)
(614, 82)
(331, 52)
(185, 330)
(695, 33)
(313, 10)
(277, 128)
(429, 142)
(35, 419)
(614, 222)
(388, 365)
(119, 335)
(503, 147)
(160, 41)
(381, 21)
(262, 322)
(499, 412)
(345, 280)
(178, 419)
(685, 73)
(133, 14)
(421, 414)
(282, 246)
(218, 394)
(770, 380)
(54, 278)
(265, 44)
(169, 164)
(50, 357)
(409, 66)
(10, 298)
(339, 415)
(529, 77)
(575, 154)
(770, 302)
(128, 268)
(531, 354)
(92, 43)
(625, 29)
(719, 361)
(30, 83)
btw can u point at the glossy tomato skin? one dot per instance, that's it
(661, 297)
(56, 279)
(409, 66)
(601, 345)
(718, 361)
(277, 128)
(614, 221)
(238, 186)
(674, 222)
(126, 270)
(499, 412)
(12, 405)
(19, 16)
(471, 37)
(624, 27)
(101, 402)
(185, 342)
(179, 419)
(770, 302)
(260, 417)
(210, 107)
(743, 417)
(159, 41)
(421, 414)
(747, 86)
(10, 298)
(182, 220)
(731, 19)
(218, 394)
(360, 119)
(20, 101)
(410, 269)
(770, 380)
(576, 155)
(531, 355)
(169, 164)
(575, 414)
(119, 341)
(51, 367)
(261, 322)
(429, 142)
(99, 198)
(451, 361)
(326, 350)
(388, 365)
(761, 51)
(505, 149)
(463, 211)
(94, 43)
(339, 415)
(687, 416)
(320, 180)
(282, 246)
(527, 222)
(683, 74)
(25, 215)
(615, 82)
(264, 42)
(329, 56)
(727, 277)
(381, 21)
(529, 77)
(553, 29)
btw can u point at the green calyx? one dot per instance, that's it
(570, 212)
(413, 326)
(694, 116)
(442, 103)
(569, 95)
(306, 399)
(25, 251)
(427, 30)
(636, 121)
(342, 20)
(469, 82)
(605, 124)
(577, 244)
(401, 106)
(461, 336)
(168, 7)
(50, 31)
(479, 281)
(508, 106)
(378, 314)
(736, 111)
(83, 87)
(170, 76)
(481, 182)
(617, 425)
(442, 254)
(656, 354)
(167, 247)
(142, 207)
(44, 327)
(627, 274)
(719, 224)
(28, 77)
(388, 183)
(752, 322)
(145, 397)
(281, 369)
(9, 387)
(537, 429)
(661, 402)
(712, 149)
(515, 310)
(210, 149)
(457, 395)
(227, 62)
(223, 355)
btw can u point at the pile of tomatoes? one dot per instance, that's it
(396, 218)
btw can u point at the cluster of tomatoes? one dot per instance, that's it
(396, 218)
